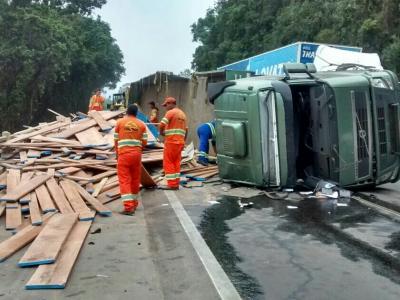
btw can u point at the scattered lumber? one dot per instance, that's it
(103, 124)
(58, 196)
(24, 188)
(34, 210)
(145, 179)
(47, 245)
(96, 204)
(61, 174)
(55, 276)
(76, 201)
(44, 199)
(99, 187)
(21, 239)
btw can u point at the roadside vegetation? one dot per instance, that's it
(53, 53)
(236, 29)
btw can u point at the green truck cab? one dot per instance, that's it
(341, 126)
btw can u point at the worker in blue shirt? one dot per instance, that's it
(205, 132)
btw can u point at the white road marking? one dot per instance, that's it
(221, 281)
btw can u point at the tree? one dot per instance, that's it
(52, 54)
(186, 73)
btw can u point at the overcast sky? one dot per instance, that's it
(154, 35)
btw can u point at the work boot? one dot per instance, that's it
(127, 213)
(202, 162)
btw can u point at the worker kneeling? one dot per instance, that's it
(130, 137)
(205, 132)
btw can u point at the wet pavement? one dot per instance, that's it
(309, 249)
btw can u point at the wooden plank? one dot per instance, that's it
(55, 276)
(34, 153)
(46, 247)
(13, 211)
(65, 165)
(51, 172)
(150, 158)
(96, 204)
(103, 175)
(21, 238)
(2, 205)
(99, 187)
(103, 124)
(34, 210)
(89, 187)
(40, 131)
(76, 201)
(114, 192)
(24, 188)
(110, 186)
(44, 199)
(69, 170)
(87, 124)
(2, 208)
(25, 177)
(56, 140)
(13, 217)
(3, 180)
(91, 138)
(145, 179)
(13, 179)
(192, 184)
(58, 196)
(23, 157)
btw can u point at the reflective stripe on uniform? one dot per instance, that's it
(203, 154)
(127, 197)
(212, 130)
(172, 176)
(145, 136)
(116, 136)
(175, 131)
(129, 143)
(165, 121)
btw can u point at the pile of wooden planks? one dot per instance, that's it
(193, 174)
(54, 179)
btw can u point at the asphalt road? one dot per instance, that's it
(271, 249)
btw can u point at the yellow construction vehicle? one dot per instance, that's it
(120, 100)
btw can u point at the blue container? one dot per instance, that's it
(271, 62)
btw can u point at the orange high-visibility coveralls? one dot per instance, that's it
(130, 136)
(175, 125)
(96, 103)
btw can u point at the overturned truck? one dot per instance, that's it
(341, 126)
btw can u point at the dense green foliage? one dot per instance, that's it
(52, 54)
(236, 29)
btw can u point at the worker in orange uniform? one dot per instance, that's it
(130, 137)
(174, 127)
(153, 112)
(96, 101)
